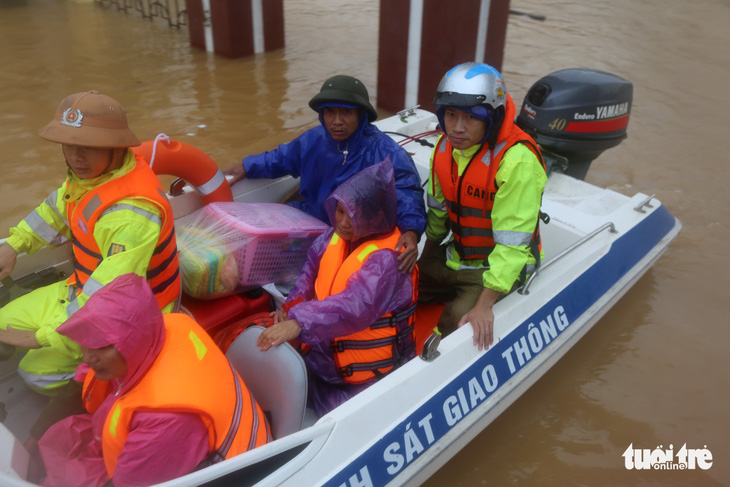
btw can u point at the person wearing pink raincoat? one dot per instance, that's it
(361, 210)
(124, 339)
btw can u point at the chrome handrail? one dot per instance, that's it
(523, 289)
(640, 206)
(407, 112)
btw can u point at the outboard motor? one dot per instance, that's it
(577, 114)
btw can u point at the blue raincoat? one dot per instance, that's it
(374, 290)
(320, 163)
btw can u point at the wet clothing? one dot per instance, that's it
(127, 236)
(186, 376)
(49, 368)
(438, 283)
(511, 206)
(158, 433)
(369, 354)
(148, 425)
(322, 165)
(374, 290)
(469, 198)
(163, 272)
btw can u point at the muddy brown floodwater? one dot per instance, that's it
(652, 372)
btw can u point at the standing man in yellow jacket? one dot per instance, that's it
(487, 179)
(113, 210)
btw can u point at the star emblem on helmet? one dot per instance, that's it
(72, 118)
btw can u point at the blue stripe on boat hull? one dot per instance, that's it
(387, 457)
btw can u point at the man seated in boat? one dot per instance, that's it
(486, 185)
(114, 211)
(345, 143)
(351, 307)
(161, 397)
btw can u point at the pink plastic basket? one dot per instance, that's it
(274, 239)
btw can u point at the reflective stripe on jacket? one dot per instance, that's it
(189, 375)
(368, 354)
(163, 272)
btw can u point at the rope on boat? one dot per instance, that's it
(160, 136)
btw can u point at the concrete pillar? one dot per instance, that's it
(420, 40)
(236, 28)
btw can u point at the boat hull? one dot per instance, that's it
(407, 425)
(428, 435)
(488, 386)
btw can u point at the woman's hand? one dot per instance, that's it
(279, 333)
(279, 315)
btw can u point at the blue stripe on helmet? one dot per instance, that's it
(481, 69)
(450, 71)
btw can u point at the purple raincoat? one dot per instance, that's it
(376, 289)
(160, 445)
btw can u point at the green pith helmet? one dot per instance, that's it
(90, 119)
(345, 89)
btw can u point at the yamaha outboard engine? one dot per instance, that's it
(578, 114)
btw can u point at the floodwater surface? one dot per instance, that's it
(652, 373)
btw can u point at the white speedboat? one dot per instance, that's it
(597, 244)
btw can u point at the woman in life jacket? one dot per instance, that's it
(351, 307)
(161, 398)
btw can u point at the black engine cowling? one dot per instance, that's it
(578, 114)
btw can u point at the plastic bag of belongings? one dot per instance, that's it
(226, 248)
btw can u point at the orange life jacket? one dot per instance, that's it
(163, 273)
(189, 375)
(369, 354)
(470, 198)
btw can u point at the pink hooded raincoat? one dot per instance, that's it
(160, 445)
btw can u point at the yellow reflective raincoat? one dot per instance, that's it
(521, 180)
(127, 238)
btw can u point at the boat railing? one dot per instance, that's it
(644, 203)
(524, 288)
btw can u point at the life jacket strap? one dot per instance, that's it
(342, 345)
(394, 319)
(220, 454)
(375, 367)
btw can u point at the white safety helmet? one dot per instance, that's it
(471, 84)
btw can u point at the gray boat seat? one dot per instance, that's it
(14, 458)
(277, 378)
